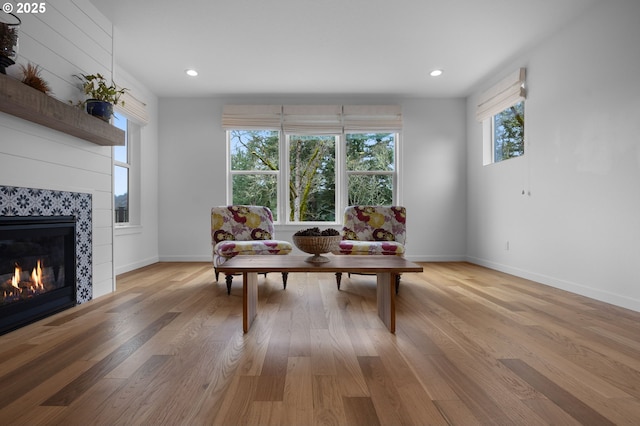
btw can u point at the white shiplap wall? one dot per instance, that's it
(71, 37)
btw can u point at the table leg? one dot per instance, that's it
(386, 298)
(249, 299)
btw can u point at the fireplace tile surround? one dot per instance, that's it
(20, 201)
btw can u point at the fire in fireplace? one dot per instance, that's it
(37, 268)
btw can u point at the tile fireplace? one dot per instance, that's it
(37, 268)
(45, 253)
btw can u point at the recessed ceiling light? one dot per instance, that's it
(435, 73)
(191, 72)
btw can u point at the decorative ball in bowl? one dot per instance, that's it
(316, 242)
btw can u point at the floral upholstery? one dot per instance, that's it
(373, 230)
(243, 230)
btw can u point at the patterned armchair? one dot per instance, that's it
(243, 230)
(370, 230)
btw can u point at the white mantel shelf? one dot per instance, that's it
(20, 100)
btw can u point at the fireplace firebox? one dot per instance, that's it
(37, 268)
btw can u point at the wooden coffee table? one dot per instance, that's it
(386, 268)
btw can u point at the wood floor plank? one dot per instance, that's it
(456, 412)
(16, 383)
(87, 379)
(472, 346)
(328, 408)
(384, 394)
(563, 399)
(298, 392)
(15, 412)
(359, 411)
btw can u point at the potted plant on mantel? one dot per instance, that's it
(101, 96)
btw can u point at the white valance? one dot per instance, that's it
(252, 117)
(372, 118)
(506, 93)
(134, 109)
(312, 119)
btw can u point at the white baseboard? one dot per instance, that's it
(136, 265)
(593, 293)
(194, 258)
(424, 258)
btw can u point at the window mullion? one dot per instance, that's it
(283, 201)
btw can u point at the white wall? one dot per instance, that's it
(70, 37)
(192, 174)
(579, 229)
(136, 245)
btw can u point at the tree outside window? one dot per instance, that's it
(312, 190)
(308, 182)
(255, 167)
(508, 133)
(370, 168)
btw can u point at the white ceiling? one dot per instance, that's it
(326, 47)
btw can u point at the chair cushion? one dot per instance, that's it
(375, 223)
(241, 223)
(370, 247)
(230, 249)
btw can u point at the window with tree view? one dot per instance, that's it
(308, 183)
(370, 162)
(508, 133)
(255, 167)
(308, 162)
(312, 180)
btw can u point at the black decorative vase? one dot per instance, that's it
(101, 109)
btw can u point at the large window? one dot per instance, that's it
(308, 162)
(308, 190)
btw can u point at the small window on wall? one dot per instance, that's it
(126, 173)
(508, 133)
(501, 110)
(121, 166)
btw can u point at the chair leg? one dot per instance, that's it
(285, 275)
(217, 273)
(338, 279)
(397, 283)
(229, 279)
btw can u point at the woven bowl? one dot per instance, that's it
(317, 245)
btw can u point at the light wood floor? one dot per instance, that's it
(473, 346)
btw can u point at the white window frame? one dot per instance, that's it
(283, 177)
(489, 137)
(394, 173)
(277, 173)
(284, 189)
(133, 145)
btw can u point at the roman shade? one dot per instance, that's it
(372, 118)
(252, 117)
(506, 93)
(312, 119)
(133, 108)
